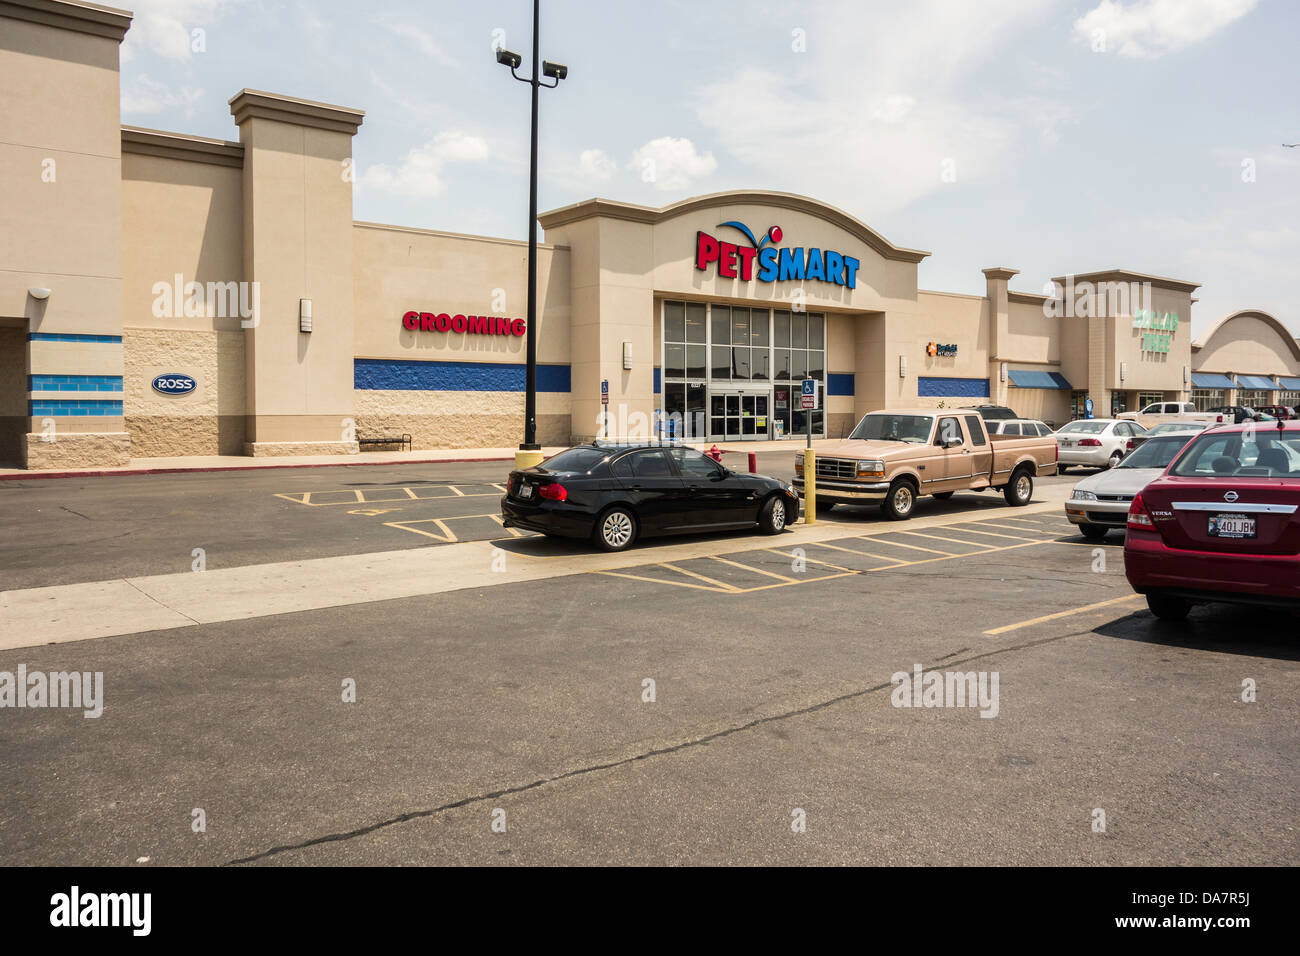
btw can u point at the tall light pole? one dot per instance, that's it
(556, 72)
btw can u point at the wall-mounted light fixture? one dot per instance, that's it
(627, 356)
(39, 293)
(1002, 372)
(304, 315)
(1186, 374)
(1123, 371)
(902, 366)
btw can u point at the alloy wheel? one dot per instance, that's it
(616, 529)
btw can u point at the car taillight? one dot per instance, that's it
(1138, 517)
(553, 492)
(1090, 443)
(1128, 446)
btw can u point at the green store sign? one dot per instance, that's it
(1160, 321)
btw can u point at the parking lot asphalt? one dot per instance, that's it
(772, 702)
(72, 530)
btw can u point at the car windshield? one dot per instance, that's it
(576, 460)
(909, 428)
(1168, 427)
(1091, 428)
(1239, 455)
(1155, 452)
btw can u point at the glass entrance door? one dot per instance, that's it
(739, 414)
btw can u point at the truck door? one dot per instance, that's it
(981, 451)
(955, 461)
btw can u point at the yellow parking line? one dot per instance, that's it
(514, 532)
(676, 584)
(1061, 614)
(878, 557)
(718, 584)
(410, 494)
(914, 547)
(455, 489)
(1012, 527)
(825, 564)
(991, 534)
(746, 567)
(939, 537)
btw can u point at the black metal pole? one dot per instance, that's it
(530, 332)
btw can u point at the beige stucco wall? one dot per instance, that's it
(1251, 344)
(1152, 371)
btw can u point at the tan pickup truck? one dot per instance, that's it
(1158, 413)
(893, 457)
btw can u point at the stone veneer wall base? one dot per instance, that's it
(78, 450)
(281, 449)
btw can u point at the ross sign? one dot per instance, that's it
(174, 383)
(463, 324)
(809, 393)
(604, 391)
(935, 348)
(773, 265)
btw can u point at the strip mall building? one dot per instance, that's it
(170, 295)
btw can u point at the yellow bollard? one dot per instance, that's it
(526, 459)
(809, 486)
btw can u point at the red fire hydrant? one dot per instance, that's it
(715, 454)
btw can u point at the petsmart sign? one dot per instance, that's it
(762, 260)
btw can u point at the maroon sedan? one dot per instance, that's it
(1221, 523)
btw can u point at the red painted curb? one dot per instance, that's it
(182, 471)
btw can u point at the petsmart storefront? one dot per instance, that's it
(172, 295)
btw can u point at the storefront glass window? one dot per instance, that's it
(1078, 408)
(739, 363)
(816, 331)
(1118, 403)
(1290, 399)
(799, 330)
(1207, 398)
(721, 325)
(1147, 398)
(694, 324)
(696, 360)
(782, 327)
(740, 327)
(674, 322)
(721, 365)
(783, 362)
(1252, 398)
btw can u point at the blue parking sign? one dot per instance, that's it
(810, 386)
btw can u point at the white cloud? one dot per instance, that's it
(420, 174)
(1152, 28)
(892, 109)
(420, 39)
(166, 27)
(594, 165)
(671, 164)
(146, 96)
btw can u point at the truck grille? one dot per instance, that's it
(837, 468)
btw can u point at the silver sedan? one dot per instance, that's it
(1094, 442)
(1100, 502)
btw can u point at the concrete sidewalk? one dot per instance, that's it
(423, 456)
(76, 612)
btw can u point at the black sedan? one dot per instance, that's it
(614, 494)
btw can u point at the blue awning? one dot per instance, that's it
(1262, 382)
(1023, 378)
(1211, 380)
(1290, 384)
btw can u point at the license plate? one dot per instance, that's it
(1065, 442)
(525, 491)
(1231, 526)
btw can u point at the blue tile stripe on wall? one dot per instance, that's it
(70, 337)
(840, 383)
(930, 386)
(411, 376)
(658, 388)
(74, 383)
(73, 407)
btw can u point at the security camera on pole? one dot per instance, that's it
(529, 452)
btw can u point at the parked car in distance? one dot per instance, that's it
(1240, 413)
(1168, 428)
(1283, 412)
(1159, 412)
(1100, 502)
(616, 494)
(892, 457)
(1027, 427)
(1094, 442)
(1221, 524)
(993, 412)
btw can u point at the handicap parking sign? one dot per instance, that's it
(810, 386)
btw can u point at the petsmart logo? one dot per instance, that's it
(774, 265)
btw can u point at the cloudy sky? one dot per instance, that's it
(1045, 135)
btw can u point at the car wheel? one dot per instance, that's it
(1168, 608)
(1115, 458)
(943, 495)
(1019, 489)
(1093, 532)
(1062, 469)
(771, 517)
(900, 501)
(824, 506)
(615, 530)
